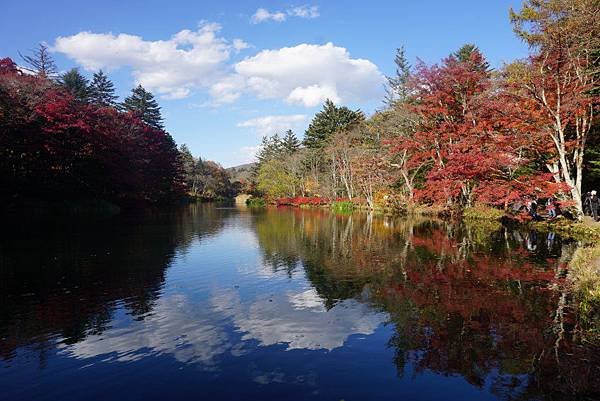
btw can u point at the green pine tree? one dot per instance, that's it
(290, 143)
(326, 122)
(102, 90)
(76, 84)
(142, 103)
(396, 89)
(464, 56)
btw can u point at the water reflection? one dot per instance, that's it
(300, 320)
(64, 282)
(479, 302)
(290, 299)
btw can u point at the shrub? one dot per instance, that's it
(342, 206)
(256, 202)
(479, 212)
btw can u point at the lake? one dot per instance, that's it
(225, 303)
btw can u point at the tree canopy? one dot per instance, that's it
(142, 104)
(329, 120)
(76, 84)
(102, 90)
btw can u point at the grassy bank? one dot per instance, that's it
(584, 277)
(586, 231)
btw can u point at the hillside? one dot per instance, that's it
(241, 172)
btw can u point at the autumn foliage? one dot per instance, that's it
(54, 147)
(472, 146)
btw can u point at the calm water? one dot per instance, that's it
(286, 304)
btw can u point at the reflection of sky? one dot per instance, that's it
(300, 319)
(220, 298)
(196, 333)
(175, 327)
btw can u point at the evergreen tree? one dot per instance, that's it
(396, 89)
(290, 143)
(142, 103)
(270, 148)
(76, 84)
(191, 169)
(465, 53)
(40, 62)
(328, 121)
(102, 90)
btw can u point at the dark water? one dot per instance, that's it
(207, 303)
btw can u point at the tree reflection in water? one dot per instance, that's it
(485, 303)
(488, 305)
(65, 281)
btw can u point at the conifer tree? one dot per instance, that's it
(328, 121)
(290, 143)
(396, 89)
(142, 103)
(40, 62)
(76, 84)
(102, 90)
(465, 53)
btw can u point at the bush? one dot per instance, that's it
(342, 206)
(479, 212)
(256, 202)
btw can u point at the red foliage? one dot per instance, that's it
(302, 200)
(7, 66)
(468, 137)
(54, 147)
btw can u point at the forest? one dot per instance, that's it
(64, 138)
(459, 133)
(455, 134)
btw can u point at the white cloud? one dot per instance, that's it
(263, 15)
(304, 12)
(305, 74)
(269, 125)
(239, 44)
(226, 90)
(173, 67)
(308, 74)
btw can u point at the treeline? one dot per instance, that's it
(458, 132)
(206, 179)
(64, 138)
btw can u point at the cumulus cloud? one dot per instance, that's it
(269, 125)
(173, 67)
(263, 15)
(309, 74)
(305, 74)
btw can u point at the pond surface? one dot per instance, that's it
(214, 303)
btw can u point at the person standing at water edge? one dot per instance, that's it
(594, 203)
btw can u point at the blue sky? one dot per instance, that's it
(227, 72)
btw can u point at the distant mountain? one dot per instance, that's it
(241, 172)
